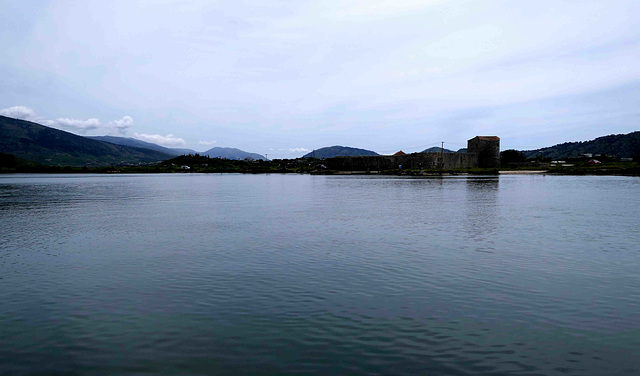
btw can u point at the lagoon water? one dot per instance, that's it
(191, 274)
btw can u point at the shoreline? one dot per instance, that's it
(522, 172)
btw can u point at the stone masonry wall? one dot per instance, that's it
(488, 150)
(427, 161)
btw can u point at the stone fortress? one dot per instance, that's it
(482, 152)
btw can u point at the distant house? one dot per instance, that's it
(400, 153)
(185, 167)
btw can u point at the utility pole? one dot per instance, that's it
(442, 157)
(266, 156)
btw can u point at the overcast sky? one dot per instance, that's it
(285, 77)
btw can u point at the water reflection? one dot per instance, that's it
(482, 211)
(238, 274)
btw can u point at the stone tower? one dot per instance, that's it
(488, 150)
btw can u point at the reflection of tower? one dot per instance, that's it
(488, 150)
(482, 219)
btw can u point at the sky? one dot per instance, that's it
(285, 77)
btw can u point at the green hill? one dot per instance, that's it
(436, 149)
(35, 142)
(338, 151)
(615, 145)
(231, 153)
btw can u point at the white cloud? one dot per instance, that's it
(74, 125)
(115, 127)
(357, 70)
(123, 124)
(19, 112)
(299, 150)
(207, 143)
(168, 140)
(80, 126)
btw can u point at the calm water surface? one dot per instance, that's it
(321, 275)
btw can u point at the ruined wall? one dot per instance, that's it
(393, 162)
(488, 150)
(482, 151)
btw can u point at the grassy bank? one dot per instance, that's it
(605, 168)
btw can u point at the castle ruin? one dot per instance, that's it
(482, 152)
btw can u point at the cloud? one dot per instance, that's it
(357, 70)
(123, 124)
(168, 140)
(115, 127)
(19, 112)
(76, 125)
(207, 143)
(299, 150)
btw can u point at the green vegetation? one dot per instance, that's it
(616, 145)
(195, 163)
(8, 162)
(205, 164)
(509, 157)
(607, 167)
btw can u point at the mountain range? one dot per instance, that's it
(50, 146)
(128, 141)
(35, 142)
(216, 152)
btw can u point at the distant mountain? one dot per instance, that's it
(615, 145)
(128, 141)
(46, 145)
(231, 153)
(436, 149)
(338, 151)
(463, 150)
(183, 151)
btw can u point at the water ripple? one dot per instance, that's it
(235, 274)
